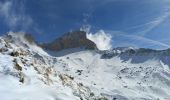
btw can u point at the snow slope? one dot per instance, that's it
(29, 73)
(115, 78)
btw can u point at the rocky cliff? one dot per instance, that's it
(73, 39)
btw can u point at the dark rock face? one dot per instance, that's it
(29, 38)
(70, 40)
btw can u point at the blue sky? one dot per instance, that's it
(141, 23)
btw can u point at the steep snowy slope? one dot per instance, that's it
(116, 78)
(29, 73)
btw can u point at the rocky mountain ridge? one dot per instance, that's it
(75, 39)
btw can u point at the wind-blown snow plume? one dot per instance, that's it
(85, 28)
(101, 39)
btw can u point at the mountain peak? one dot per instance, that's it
(75, 39)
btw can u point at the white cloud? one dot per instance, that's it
(14, 15)
(101, 39)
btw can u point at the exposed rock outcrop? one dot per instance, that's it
(73, 39)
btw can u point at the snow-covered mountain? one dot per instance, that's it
(27, 72)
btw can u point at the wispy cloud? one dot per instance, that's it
(136, 40)
(149, 26)
(86, 28)
(14, 15)
(155, 23)
(149, 41)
